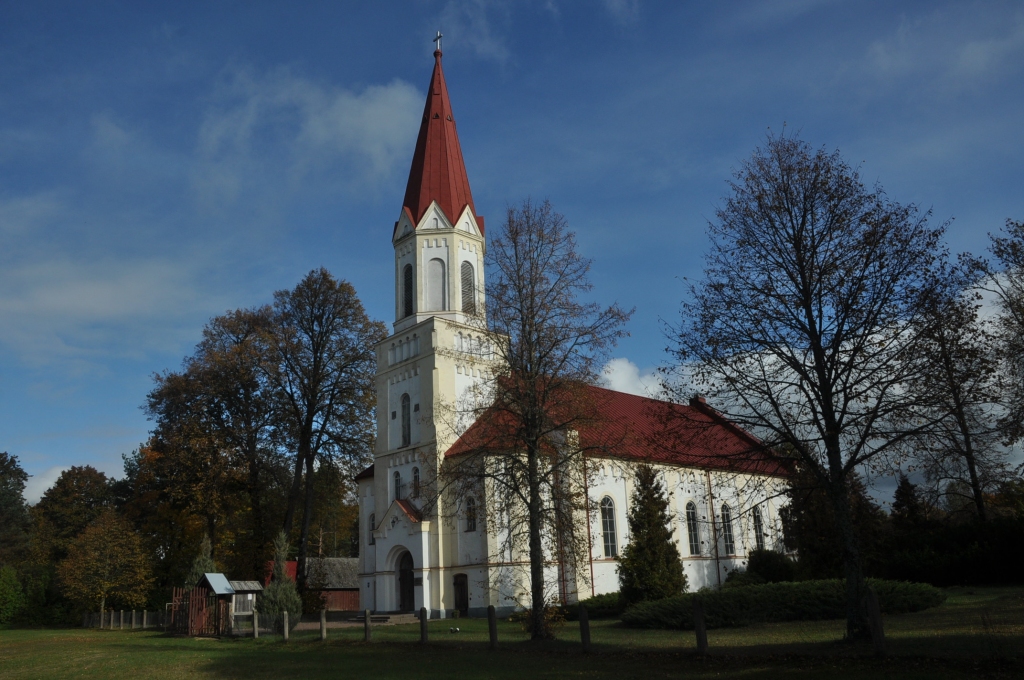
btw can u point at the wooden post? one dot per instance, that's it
(133, 619)
(120, 621)
(492, 626)
(585, 629)
(874, 614)
(366, 625)
(700, 626)
(145, 616)
(101, 619)
(323, 624)
(285, 613)
(423, 625)
(255, 624)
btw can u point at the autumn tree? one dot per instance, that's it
(650, 567)
(106, 563)
(804, 322)
(79, 496)
(281, 594)
(322, 365)
(217, 427)
(548, 344)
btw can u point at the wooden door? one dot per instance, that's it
(406, 592)
(462, 594)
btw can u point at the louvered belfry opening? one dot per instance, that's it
(407, 291)
(468, 289)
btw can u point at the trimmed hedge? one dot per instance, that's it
(605, 606)
(775, 602)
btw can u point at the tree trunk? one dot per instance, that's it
(259, 540)
(965, 431)
(856, 625)
(539, 624)
(307, 517)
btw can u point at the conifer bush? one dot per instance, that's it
(607, 606)
(650, 567)
(281, 595)
(12, 598)
(778, 602)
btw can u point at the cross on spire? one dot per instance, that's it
(438, 40)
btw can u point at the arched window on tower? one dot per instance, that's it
(406, 421)
(692, 528)
(468, 289)
(758, 528)
(608, 527)
(407, 306)
(415, 482)
(371, 527)
(470, 514)
(728, 543)
(436, 296)
(398, 485)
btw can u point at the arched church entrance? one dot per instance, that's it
(406, 592)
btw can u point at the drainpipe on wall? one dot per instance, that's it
(714, 527)
(590, 541)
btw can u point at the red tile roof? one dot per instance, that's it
(623, 425)
(438, 172)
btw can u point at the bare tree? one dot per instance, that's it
(524, 450)
(322, 366)
(1007, 281)
(802, 326)
(961, 388)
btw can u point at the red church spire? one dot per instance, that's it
(438, 172)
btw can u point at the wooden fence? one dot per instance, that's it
(123, 619)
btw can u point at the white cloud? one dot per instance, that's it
(623, 375)
(949, 51)
(280, 128)
(470, 22)
(38, 484)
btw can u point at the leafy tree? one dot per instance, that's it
(106, 562)
(202, 564)
(281, 595)
(13, 511)
(805, 319)
(650, 567)
(322, 366)
(547, 345)
(79, 496)
(12, 599)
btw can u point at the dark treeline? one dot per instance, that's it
(259, 432)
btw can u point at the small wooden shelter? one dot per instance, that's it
(202, 611)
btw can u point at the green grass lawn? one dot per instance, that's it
(976, 633)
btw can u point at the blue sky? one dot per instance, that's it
(161, 163)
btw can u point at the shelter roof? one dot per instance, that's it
(218, 584)
(438, 172)
(620, 425)
(246, 586)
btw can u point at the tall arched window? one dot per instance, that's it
(692, 528)
(470, 514)
(373, 525)
(407, 306)
(398, 485)
(436, 296)
(415, 482)
(406, 421)
(608, 527)
(758, 528)
(468, 289)
(727, 540)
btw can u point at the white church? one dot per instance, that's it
(410, 556)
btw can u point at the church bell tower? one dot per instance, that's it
(437, 356)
